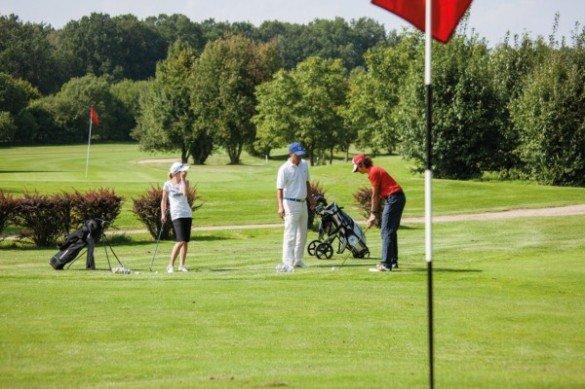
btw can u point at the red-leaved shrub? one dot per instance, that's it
(316, 191)
(7, 208)
(147, 209)
(101, 203)
(45, 218)
(363, 199)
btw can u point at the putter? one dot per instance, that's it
(156, 247)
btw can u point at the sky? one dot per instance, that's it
(490, 18)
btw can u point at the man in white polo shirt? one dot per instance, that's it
(292, 184)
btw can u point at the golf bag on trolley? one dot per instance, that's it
(85, 237)
(336, 224)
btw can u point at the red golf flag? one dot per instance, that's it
(446, 14)
(93, 116)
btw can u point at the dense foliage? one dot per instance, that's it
(549, 116)
(192, 87)
(45, 219)
(304, 105)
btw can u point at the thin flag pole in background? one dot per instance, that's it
(93, 119)
(88, 146)
(438, 19)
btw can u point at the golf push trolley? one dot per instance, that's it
(337, 225)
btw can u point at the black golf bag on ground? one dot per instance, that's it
(336, 224)
(87, 236)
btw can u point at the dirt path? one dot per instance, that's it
(569, 210)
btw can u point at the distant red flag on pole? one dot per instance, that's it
(93, 115)
(446, 14)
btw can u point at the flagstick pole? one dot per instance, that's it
(429, 186)
(88, 144)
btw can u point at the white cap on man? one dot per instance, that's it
(178, 167)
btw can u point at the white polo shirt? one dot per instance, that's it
(292, 179)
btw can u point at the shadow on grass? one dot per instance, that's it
(36, 171)
(346, 265)
(445, 270)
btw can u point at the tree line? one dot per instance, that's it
(517, 109)
(124, 47)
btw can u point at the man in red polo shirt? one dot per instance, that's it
(384, 187)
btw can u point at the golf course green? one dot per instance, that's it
(509, 294)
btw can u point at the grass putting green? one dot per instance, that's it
(510, 299)
(245, 194)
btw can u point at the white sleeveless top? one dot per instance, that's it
(177, 200)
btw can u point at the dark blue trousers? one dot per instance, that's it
(391, 216)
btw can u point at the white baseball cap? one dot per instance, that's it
(178, 167)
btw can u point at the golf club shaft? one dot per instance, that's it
(156, 246)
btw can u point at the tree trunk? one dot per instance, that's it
(201, 149)
(331, 156)
(234, 154)
(347, 154)
(184, 154)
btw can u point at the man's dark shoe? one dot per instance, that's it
(394, 266)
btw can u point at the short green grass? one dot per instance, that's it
(246, 194)
(510, 312)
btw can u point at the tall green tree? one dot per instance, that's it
(304, 104)
(372, 102)
(466, 131)
(510, 65)
(69, 109)
(167, 119)
(141, 47)
(224, 82)
(26, 53)
(122, 47)
(177, 27)
(15, 95)
(549, 115)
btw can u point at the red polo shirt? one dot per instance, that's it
(382, 180)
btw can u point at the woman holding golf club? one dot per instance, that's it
(174, 195)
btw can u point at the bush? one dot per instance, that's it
(101, 204)
(363, 199)
(7, 127)
(7, 208)
(316, 191)
(69, 111)
(467, 135)
(147, 209)
(45, 218)
(548, 115)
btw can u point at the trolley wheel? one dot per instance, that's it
(312, 246)
(324, 251)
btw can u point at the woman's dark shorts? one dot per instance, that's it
(182, 228)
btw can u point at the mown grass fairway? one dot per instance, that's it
(509, 295)
(246, 194)
(509, 312)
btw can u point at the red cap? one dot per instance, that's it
(360, 158)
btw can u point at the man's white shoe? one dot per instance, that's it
(380, 268)
(170, 269)
(183, 269)
(284, 268)
(301, 265)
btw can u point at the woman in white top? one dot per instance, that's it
(174, 194)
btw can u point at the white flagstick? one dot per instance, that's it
(429, 186)
(88, 144)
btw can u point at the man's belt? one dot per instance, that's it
(295, 200)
